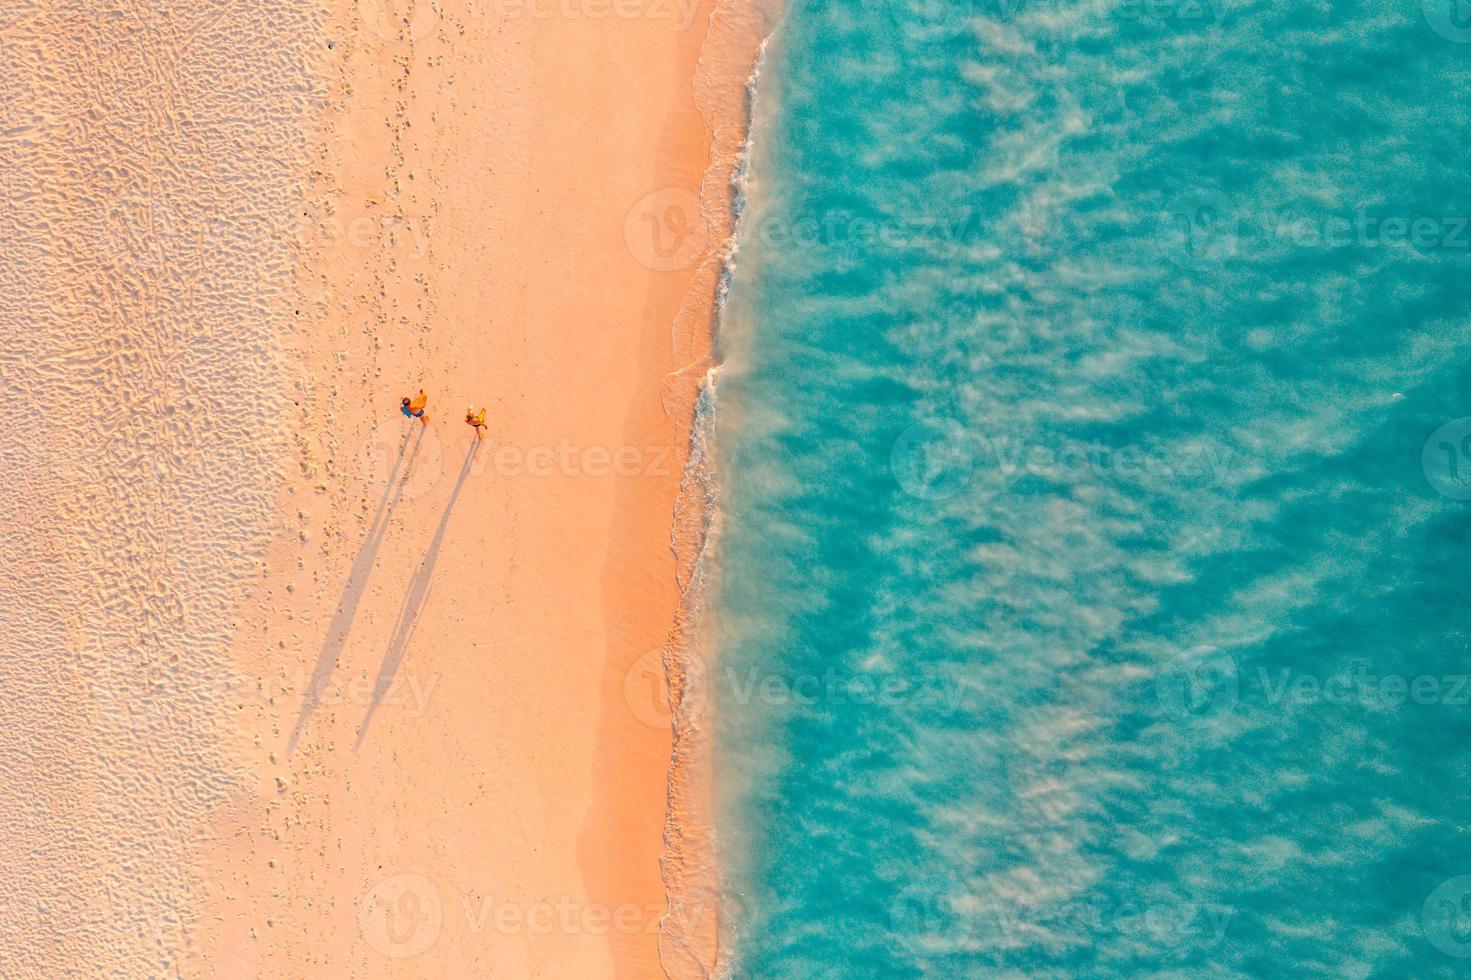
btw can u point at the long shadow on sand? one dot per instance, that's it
(357, 582)
(413, 604)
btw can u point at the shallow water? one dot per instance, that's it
(1094, 525)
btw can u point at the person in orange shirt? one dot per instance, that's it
(476, 420)
(414, 408)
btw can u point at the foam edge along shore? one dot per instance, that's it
(691, 936)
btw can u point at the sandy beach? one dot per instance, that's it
(313, 688)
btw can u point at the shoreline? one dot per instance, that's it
(692, 940)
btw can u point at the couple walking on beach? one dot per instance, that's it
(414, 408)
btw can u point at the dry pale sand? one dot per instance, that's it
(296, 686)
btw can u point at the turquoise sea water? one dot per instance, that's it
(1093, 573)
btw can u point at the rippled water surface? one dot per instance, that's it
(1095, 464)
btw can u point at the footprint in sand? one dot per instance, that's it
(398, 21)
